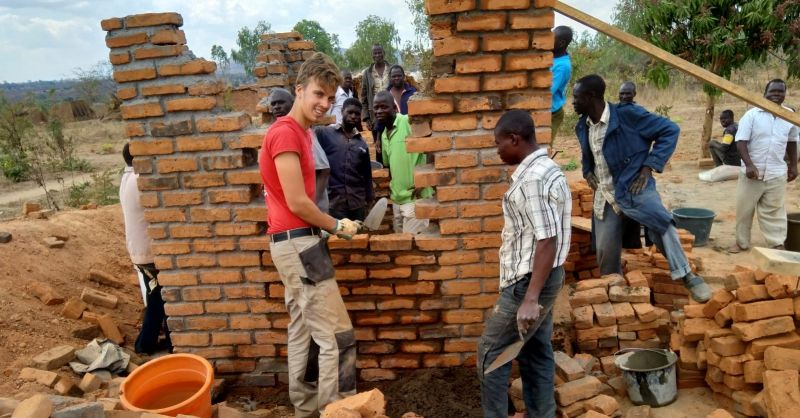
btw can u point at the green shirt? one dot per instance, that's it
(400, 162)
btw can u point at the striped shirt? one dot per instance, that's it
(536, 206)
(605, 182)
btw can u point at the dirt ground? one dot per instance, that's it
(97, 240)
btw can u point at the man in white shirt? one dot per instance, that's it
(344, 92)
(139, 248)
(763, 140)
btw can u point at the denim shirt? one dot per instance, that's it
(635, 138)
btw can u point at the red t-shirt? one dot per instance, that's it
(285, 135)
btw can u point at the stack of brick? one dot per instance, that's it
(416, 301)
(278, 62)
(612, 313)
(582, 387)
(746, 337)
(581, 261)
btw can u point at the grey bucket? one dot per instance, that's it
(649, 374)
(697, 220)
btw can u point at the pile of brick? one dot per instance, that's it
(582, 387)
(581, 261)
(613, 313)
(746, 338)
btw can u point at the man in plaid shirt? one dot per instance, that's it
(536, 237)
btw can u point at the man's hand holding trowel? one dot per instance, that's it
(346, 228)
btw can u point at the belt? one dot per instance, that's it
(294, 233)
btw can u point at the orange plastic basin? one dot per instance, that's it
(170, 385)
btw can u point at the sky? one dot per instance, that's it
(50, 39)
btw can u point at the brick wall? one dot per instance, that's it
(416, 301)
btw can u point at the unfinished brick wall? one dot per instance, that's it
(416, 301)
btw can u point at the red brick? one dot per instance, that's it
(449, 258)
(151, 147)
(454, 123)
(141, 110)
(165, 215)
(191, 104)
(427, 177)
(541, 79)
(461, 287)
(465, 316)
(170, 248)
(153, 19)
(230, 195)
(479, 301)
(453, 193)
(428, 144)
(762, 310)
(543, 40)
(231, 338)
(481, 241)
(168, 37)
(111, 24)
(253, 214)
(436, 7)
(190, 231)
(456, 159)
(457, 84)
(479, 64)
(413, 260)
(124, 76)
(193, 339)
(441, 360)
(390, 242)
(434, 243)
(198, 66)
(475, 141)
(471, 210)
(209, 214)
(431, 209)
(477, 104)
(763, 328)
(126, 93)
(534, 61)
(505, 4)
(373, 289)
(133, 129)
(527, 101)
(506, 81)
(420, 347)
(234, 122)
(397, 334)
(163, 89)
(482, 175)
(206, 323)
(172, 165)
(127, 39)
(441, 273)
(374, 375)
(480, 270)
(534, 20)
(220, 276)
(183, 309)
(505, 42)
(417, 288)
(481, 22)
(158, 52)
(459, 226)
(390, 273)
(239, 260)
(455, 45)
(429, 106)
(198, 143)
(780, 286)
(234, 366)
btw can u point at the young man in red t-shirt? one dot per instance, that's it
(318, 317)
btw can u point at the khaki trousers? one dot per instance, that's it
(322, 346)
(765, 199)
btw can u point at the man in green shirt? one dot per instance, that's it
(401, 165)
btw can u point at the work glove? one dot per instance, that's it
(345, 228)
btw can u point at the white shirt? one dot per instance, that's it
(136, 238)
(336, 109)
(766, 137)
(537, 206)
(605, 182)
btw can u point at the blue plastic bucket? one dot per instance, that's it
(698, 221)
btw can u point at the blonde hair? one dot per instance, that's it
(322, 69)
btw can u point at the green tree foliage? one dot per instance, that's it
(248, 41)
(324, 42)
(720, 36)
(219, 56)
(373, 30)
(15, 128)
(93, 82)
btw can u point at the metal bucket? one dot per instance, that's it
(697, 220)
(650, 375)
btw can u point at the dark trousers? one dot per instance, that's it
(536, 363)
(352, 214)
(155, 319)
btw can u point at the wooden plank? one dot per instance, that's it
(584, 224)
(777, 261)
(755, 99)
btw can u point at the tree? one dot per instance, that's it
(221, 58)
(248, 41)
(94, 81)
(373, 30)
(720, 36)
(323, 41)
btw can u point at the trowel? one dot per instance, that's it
(373, 220)
(512, 351)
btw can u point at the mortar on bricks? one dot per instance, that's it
(650, 375)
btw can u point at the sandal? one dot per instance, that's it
(736, 249)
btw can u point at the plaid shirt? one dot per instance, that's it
(536, 206)
(605, 183)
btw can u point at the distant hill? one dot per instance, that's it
(62, 89)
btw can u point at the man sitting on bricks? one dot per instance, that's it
(316, 310)
(621, 146)
(536, 235)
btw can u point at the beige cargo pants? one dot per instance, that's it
(765, 199)
(322, 346)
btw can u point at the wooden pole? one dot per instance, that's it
(687, 67)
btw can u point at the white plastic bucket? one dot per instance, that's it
(650, 375)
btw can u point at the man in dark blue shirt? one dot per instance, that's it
(401, 91)
(350, 186)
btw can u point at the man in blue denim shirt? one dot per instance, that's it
(536, 234)
(622, 145)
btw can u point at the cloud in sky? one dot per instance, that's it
(49, 39)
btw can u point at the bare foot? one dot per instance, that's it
(736, 249)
